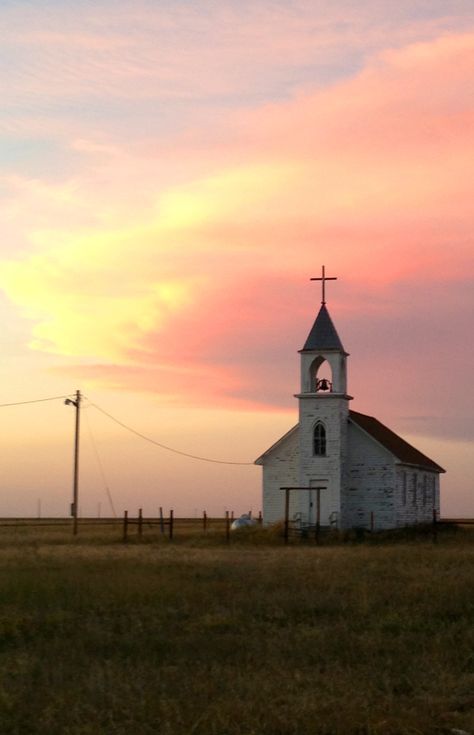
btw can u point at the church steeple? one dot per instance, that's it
(322, 350)
(323, 416)
(323, 335)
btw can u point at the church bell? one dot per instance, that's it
(323, 384)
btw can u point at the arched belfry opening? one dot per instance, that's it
(321, 378)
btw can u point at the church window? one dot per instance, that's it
(404, 488)
(319, 440)
(414, 486)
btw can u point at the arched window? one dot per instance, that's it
(319, 440)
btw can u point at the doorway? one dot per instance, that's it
(318, 501)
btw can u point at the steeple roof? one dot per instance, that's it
(323, 335)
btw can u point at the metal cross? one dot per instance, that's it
(324, 278)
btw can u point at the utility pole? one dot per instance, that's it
(75, 493)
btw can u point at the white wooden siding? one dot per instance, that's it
(370, 483)
(280, 469)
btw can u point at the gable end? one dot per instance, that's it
(260, 460)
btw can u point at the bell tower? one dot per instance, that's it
(323, 418)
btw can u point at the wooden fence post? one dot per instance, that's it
(231, 516)
(140, 522)
(125, 526)
(204, 521)
(260, 517)
(435, 527)
(171, 524)
(162, 524)
(318, 514)
(287, 514)
(227, 526)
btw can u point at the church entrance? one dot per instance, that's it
(318, 502)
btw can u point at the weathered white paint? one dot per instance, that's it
(415, 507)
(280, 469)
(332, 411)
(370, 483)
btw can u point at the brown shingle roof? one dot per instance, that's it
(394, 443)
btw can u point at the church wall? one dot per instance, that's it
(332, 411)
(370, 484)
(280, 469)
(437, 497)
(417, 495)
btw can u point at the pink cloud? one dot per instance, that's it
(159, 56)
(371, 176)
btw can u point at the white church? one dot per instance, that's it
(345, 469)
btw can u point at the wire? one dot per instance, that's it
(163, 446)
(133, 431)
(101, 466)
(38, 400)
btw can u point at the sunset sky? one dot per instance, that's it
(172, 174)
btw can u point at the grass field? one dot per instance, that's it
(250, 639)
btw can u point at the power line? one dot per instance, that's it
(164, 446)
(133, 431)
(37, 400)
(101, 466)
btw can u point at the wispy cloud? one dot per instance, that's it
(172, 60)
(162, 260)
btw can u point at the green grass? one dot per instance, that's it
(251, 638)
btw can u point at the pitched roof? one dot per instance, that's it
(400, 448)
(323, 335)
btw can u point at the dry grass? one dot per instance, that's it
(196, 637)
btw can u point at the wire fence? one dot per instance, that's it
(137, 527)
(134, 527)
